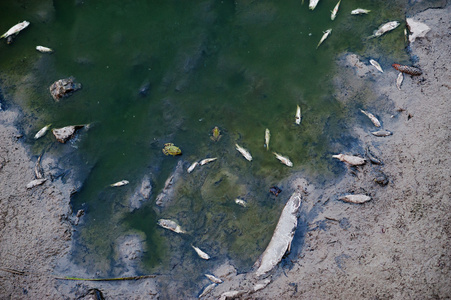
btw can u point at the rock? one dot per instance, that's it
(142, 193)
(64, 88)
(168, 190)
(65, 133)
(417, 29)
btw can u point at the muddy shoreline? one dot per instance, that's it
(395, 246)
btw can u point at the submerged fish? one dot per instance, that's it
(241, 202)
(350, 159)
(325, 35)
(214, 278)
(44, 49)
(244, 152)
(207, 290)
(312, 4)
(267, 137)
(359, 11)
(297, 117)
(385, 28)
(414, 71)
(42, 132)
(207, 160)
(201, 253)
(334, 11)
(355, 198)
(382, 133)
(193, 165)
(120, 183)
(283, 159)
(15, 29)
(372, 118)
(36, 182)
(399, 80)
(376, 65)
(171, 225)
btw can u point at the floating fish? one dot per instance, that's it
(376, 65)
(171, 225)
(193, 165)
(372, 118)
(214, 279)
(283, 159)
(359, 11)
(355, 198)
(241, 202)
(207, 290)
(207, 160)
(399, 80)
(297, 117)
(385, 28)
(312, 4)
(382, 133)
(42, 132)
(36, 182)
(267, 137)
(37, 169)
(350, 159)
(15, 29)
(244, 152)
(334, 11)
(325, 35)
(414, 71)
(201, 253)
(119, 183)
(44, 49)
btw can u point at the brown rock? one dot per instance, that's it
(65, 133)
(64, 88)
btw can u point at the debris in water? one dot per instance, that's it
(275, 190)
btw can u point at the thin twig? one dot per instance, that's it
(12, 271)
(106, 279)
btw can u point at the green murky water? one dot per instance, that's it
(240, 65)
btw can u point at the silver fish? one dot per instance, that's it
(325, 35)
(334, 11)
(15, 29)
(350, 159)
(382, 133)
(244, 152)
(356, 198)
(376, 65)
(193, 165)
(207, 160)
(359, 11)
(42, 132)
(241, 202)
(37, 169)
(261, 285)
(399, 80)
(119, 183)
(207, 290)
(44, 49)
(312, 4)
(372, 118)
(214, 278)
(36, 182)
(171, 225)
(385, 28)
(297, 117)
(283, 159)
(201, 253)
(267, 137)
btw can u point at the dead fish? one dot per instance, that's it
(359, 11)
(414, 71)
(382, 133)
(372, 118)
(15, 29)
(244, 152)
(261, 285)
(171, 225)
(325, 35)
(119, 183)
(231, 295)
(283, 159)
(297, 117)
(42, 132)
(373, 158)
(385, 28)
(334, 11)
(207, 290)
(37, 169)
(201, 253)
(214, 279)
(350, 159)
(207, 160)
(376, 65)
(312, 4)
(193, 165)
(44, 49)
(399, 80)
(267, 137)
(36, 182)
(356, 198)
(241, 202)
